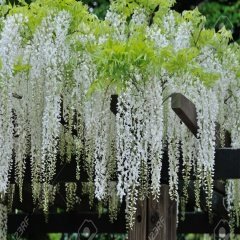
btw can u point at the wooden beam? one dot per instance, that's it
(182, 106)
(195, 222)
(227, 164)
(218, 208)
(64, 223)
(60, 201)
(114, 103)
(198, 222)
(186, 111)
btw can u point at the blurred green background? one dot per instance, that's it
(217, 12)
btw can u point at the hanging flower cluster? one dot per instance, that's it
(3, 221)
(11, 34)
(71, 189)
(60, 66)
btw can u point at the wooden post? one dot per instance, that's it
(172, 220)
(155, 220)
(139, 231)
(162, 217)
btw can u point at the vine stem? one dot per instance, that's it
(165, 99)
(15, 95)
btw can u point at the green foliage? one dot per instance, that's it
(179, 61)
(127, 7)
(19, 66)
(195, 17)
(39, 9)
(117, 61)
(55, 236)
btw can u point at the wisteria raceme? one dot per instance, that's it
(103, 141)
(21, 130)
(139, 17)
(174, 138)
(83, 75)
(56, 56)
(207, 111)
(36, 74)
(118, 23)
(131, 208)
(188, 143)
(156, 35)
(10, 49)
(169, 25)
(140, 139)
(233, 124)
(154, 133)
(113, 201)
(71, 189)
(3, 222)
(208, 60)
(183, 36)
(129, 150)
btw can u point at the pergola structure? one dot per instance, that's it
(154, 220)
